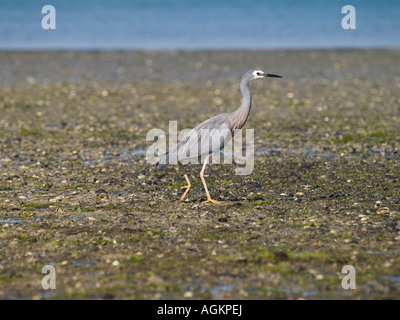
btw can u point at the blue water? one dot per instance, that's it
(198, 24)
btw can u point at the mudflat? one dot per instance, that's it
(76, 191)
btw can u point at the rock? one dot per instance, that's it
(383, 210)
(115, 263)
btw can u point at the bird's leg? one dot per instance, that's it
(187, 180)
(204, 183)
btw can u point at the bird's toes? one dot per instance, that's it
(212, 201)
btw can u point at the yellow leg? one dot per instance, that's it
(204, 183)
(188, 187)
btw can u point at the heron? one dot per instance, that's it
(196, 143)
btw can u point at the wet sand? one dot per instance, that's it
(76, 191)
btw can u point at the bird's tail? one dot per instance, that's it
(163, 161)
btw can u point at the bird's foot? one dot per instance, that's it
(212, 201)
(186, 192)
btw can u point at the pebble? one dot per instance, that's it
(383, 210)
(13, 243)
(319, 277)
(115, 263)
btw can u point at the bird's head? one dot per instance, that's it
(258, 74)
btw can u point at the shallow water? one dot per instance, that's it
(11, 220)
(152, 24)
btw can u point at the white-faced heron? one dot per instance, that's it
(196, 144)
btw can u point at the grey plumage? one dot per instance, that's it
(210, 136)
(193, 145)
(200, 141)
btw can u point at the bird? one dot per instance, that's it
(196, 143)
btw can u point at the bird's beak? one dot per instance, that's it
(271, 75)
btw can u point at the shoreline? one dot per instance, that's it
(205, 49)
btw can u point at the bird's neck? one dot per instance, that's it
(245, 106)
(246, 96)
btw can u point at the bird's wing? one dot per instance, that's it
(207, 137)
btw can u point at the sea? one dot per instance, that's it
(198, 24)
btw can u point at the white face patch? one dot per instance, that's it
(256, 72)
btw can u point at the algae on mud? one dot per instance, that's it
(77, 192)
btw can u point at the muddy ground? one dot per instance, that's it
(76, 191)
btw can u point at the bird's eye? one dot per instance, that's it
(258, 73)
